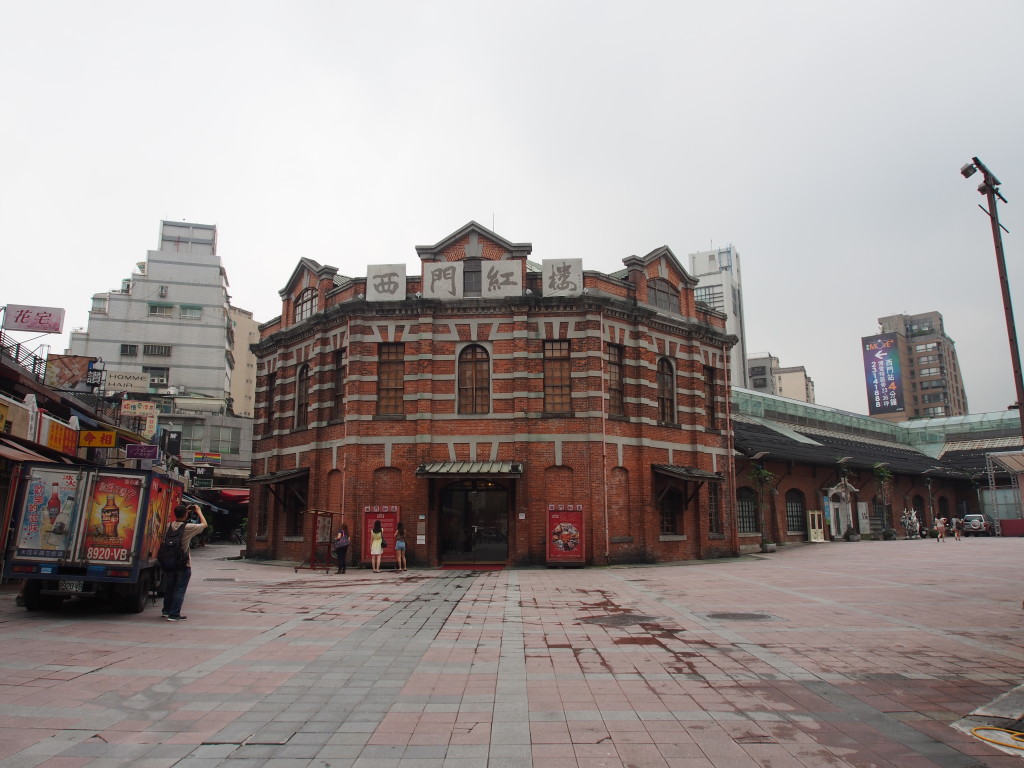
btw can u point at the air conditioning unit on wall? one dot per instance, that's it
(160, 380)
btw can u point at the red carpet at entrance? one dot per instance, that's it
(472, 567)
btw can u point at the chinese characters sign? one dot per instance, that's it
(882, 373)
(443, 280)
(562, 277)
(44, 319)
(385, 282)
(97, 438)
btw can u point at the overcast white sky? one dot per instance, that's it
(822, 139)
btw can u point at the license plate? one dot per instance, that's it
(69, 586)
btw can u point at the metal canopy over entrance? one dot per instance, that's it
(447, 469)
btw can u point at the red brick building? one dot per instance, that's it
(504, 411)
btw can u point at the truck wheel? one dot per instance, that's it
(33, 600)
(135, 602)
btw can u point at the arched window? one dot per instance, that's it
(661, 294)
(943, 507)
(666, 392)
(746, 509)
(671, 509)
(302, 398)
(305, 304)
(919, 506)
(474, 380)
(796, 511)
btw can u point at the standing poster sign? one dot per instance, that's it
(388, 516)
(113, 513)
(565, 537)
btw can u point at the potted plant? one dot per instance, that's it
(850, 534)
(762, 478)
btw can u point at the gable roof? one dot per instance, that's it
(427, 252)
(662, 253)
(306, 265)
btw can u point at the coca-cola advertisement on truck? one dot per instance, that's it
(49, 513)
(112, 518)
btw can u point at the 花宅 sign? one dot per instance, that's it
(18, 317)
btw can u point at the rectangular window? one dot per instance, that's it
(338, 409)
(710, 406)
(191, 313)
(931, 346)
(129, 350)
(557, 380)
(935, 397)
(759, 370)
(930, 372)
(225, 439)
(192, 435)
(616, 394)
(760, 383)
(156, 350)
(158, 377)
(161, 310)
(712, 295)
(714, 509)
(928, 359)
(472, 277)
(390, 379)
(99, 305)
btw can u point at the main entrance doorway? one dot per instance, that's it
(474, 523)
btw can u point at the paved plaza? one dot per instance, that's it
(840, 654)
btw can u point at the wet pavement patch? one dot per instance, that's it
(739, 616)
(618, 619)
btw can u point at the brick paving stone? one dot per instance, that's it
(454, 669)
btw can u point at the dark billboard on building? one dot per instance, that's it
(882, 373)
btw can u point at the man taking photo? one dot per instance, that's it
(176, 578)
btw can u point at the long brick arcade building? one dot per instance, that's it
(504, 411)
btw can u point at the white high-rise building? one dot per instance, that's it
(721, 288)
(171, 319)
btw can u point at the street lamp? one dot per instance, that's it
(990, 188)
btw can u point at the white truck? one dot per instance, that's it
(88, 532)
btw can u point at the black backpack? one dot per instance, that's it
(171, 554)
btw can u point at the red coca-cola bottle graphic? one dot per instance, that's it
(110, 516)
(53, 505)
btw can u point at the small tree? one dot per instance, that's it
(761, 478)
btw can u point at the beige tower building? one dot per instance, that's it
(926, 379)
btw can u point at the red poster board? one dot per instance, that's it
(388, 516)
(565, 535)
(112, 518)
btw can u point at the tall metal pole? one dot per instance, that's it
(991, 191)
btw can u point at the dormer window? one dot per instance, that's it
(305, 304)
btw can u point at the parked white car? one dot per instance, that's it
(980, 525)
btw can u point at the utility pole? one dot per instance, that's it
(990, 188)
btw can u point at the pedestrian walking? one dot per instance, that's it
(377, 544)
(940, 529)
(176, 579)
(958, 528)
(400, 547)
(341, 544)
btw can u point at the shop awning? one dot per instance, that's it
(680, 472)
(186, 499)
(279, 477)
(16, 452)
(471, 468)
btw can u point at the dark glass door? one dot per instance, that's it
(474, 523)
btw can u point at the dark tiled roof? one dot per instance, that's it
(817, 446)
